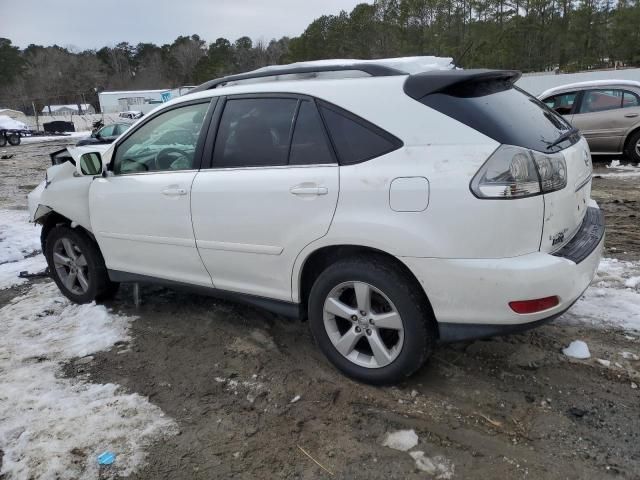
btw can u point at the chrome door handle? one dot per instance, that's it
(308, 190)
(631, 115)
(174, 192)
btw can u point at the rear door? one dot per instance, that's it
(603, 120)
(271, 189)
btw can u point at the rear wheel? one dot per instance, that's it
(370, 320)
(77, 266)
(3, 140)
(14, 139)
(633, 147)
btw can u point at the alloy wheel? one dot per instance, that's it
(363, 324)
(71, 266)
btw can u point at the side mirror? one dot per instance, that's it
(90, 164)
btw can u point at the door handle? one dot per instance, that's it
(631, 115)
(174, 191)
(308, 190)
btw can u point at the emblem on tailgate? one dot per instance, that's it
(558, 237)
(586, 158)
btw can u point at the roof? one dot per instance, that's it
(73, 106)
(6, 111)
(590, 84)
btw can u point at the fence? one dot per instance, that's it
(536, 83)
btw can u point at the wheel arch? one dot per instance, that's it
(635, 129)
(53, 219)
(319, 259)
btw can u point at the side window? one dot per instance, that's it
(309, 144)
(562, 103)
(107, 131)
(254, 132)
(630, 99)
(601, 100)
(167, 142)
(354, 139)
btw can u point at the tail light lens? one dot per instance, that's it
(515, 172)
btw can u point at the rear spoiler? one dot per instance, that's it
(440, 81)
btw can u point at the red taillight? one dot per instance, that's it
(533, 306)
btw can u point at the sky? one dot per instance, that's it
(87, 24)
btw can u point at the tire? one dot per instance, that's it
(14, 139)
(3, 140)
(406, 348)
(633, 147)
(70, 251)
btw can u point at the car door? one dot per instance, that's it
(270, 190)
(140, 211)
(602, 120)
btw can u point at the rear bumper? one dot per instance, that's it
(470, 297)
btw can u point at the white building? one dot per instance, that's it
(139, 100)
(73, 108)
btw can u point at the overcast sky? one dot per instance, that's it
(92, 24)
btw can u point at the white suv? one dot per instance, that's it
(392, 210)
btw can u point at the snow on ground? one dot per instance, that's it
(18, 240)
(48, 138)
(54, 427)
(613, 300)
(577, 349)
(619, 170)
(402, 440)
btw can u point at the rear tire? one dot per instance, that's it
(77, 266)
(14, 139)
(383, 343)
(3, 140)
(633, 147)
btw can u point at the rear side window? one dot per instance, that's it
(630, 99)
(355, 139)
(254, 132)
(309, 143)
(601, 100)
(504, 113)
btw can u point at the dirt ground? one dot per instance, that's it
(511, 407)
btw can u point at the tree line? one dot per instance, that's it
(527, 35)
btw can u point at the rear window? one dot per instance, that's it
(503, 112)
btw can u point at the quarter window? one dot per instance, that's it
(254, 132)
(166, 142)
(309, 143)
(354, 139)
(630, 99)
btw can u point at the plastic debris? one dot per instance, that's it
(106, 458)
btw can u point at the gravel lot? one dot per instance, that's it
(228, 374)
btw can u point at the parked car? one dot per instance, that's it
(131, 114)
(106, 134)
(392, 210)
(606, 112)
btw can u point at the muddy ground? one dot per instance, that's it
(511, 407)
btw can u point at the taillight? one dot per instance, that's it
(516, 172)
(534, 306)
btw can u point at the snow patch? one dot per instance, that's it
(438, 467)
(402, 440)
(41, 412)
(620, 170)
(49, 138)
(18, 237)
(577, 349)
(9, 271)
(604, 363)
(630, 356)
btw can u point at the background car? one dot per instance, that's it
(606, 112)
(106, 134)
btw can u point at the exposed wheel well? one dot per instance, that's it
(628, 139)
(323, 257)
(52, 220)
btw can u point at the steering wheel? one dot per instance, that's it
(167, 156)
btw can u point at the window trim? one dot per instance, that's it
(200, 144)
(395, 141)
(212, 134)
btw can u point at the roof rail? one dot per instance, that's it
(372, 69)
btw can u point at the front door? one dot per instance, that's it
(140, 212)
(271, 190)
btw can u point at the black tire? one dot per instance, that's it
(420, 331)
(99, 286)
(3, 140)
(14, 139)
(633, 147)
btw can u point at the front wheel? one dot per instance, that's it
(77, 266)
(370, 320)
